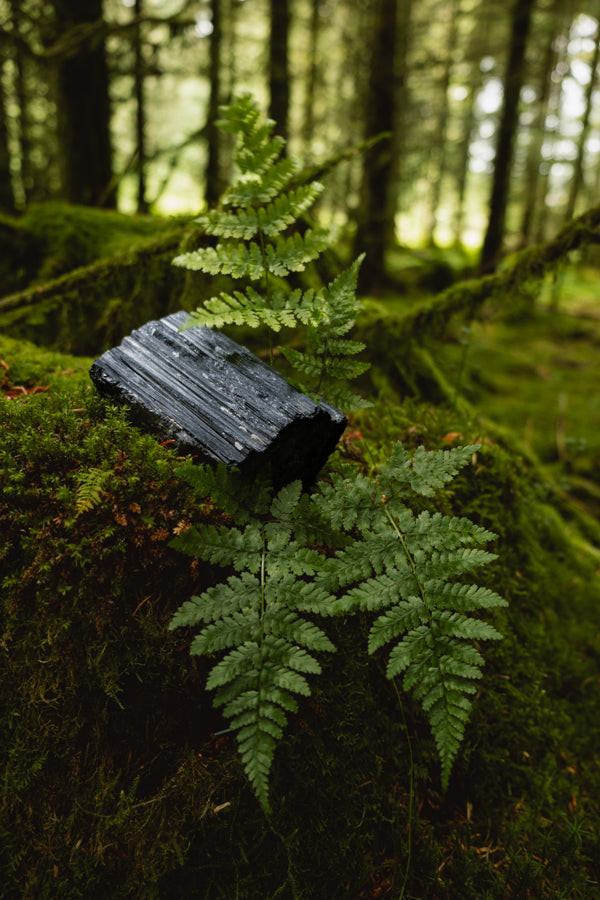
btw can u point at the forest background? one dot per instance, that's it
(490, 108)
(459, 145)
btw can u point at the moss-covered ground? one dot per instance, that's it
(116, 780)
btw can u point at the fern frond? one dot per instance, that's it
(244, 222)
(257, 619)
(91, 485)
(248, 308)
(341, 397)
(299, 631)
(349, 501)
(236, 593)
(241, 223)
(443, 531)
(228, 631)
(292, 254)
(462, 597)
(237, 260)
(451, 563)
(342, 290)
(425, 472)
(227, 489)
(404, 568)
(314, 367)
(222, 546)
(255, 190)
(284, 210)
(440, 671)
(257, 153)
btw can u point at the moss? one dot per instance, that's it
(54, 238)
(116, 780)
(96, 755)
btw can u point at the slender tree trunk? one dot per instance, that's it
(577, 180)
(464, 155)
(376, 212)
(279, 74)
(311, 76)
(513, 82)
(438, 141)
(23, 129)
(551, 136)
(214, 184)
(84, 108)
(140, 111)
(7, 198)
(537, 130)
(400, 123)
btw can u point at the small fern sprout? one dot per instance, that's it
(257, 244)
(259, 618)
(406, 569)
(91, 486)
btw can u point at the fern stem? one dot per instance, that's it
(263, 559)
(263, 253)
(322, 372)
(427, 608)
(411, 561)
(411, 791)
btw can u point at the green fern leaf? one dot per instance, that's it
(91, 486)
(404, 568)
(285, 209)
(426, 472)
(239, 662)
(254, 191)
(462, 597)
(222, 546)
(257, 620)
(296, 630)
(292, 254)
(236, 593)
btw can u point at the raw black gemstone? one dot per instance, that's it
(218, 401)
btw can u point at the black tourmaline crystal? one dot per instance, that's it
(217, 401)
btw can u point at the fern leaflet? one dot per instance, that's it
(258, 618)
(252, 223)
(403, 569)
(91, 485)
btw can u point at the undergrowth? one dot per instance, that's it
(116, 780)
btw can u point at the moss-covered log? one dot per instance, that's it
(90, 309)
(432, 318)
(116, 781)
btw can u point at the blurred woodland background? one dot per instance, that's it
(491, 109)
(459, 144)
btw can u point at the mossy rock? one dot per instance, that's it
(51, 239)
(116, 781)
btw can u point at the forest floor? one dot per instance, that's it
(361, 814)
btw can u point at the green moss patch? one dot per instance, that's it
(117, 780)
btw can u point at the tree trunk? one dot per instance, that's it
(84, 108)
(140, 110)
(377, 207)
(577, 180)
(7, 199)
(310, 88)
(438, 141)
(534, 155)
(22, 101)
(279, 74)
(513, 82)
(551, 136)
(464, 156)
(214, 183)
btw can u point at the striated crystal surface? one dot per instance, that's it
(217, 401)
